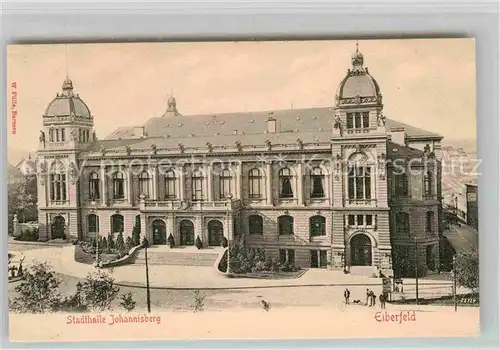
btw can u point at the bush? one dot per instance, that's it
(74, 303)
(38, 291)
(466, 268)
(224, 242)
(127, 302)
(136, 235)
(171, 241)
(120, 243)
(28, 234)
(199, 301)
(128, 243)
(98, 291)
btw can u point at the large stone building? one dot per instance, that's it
(338, 187)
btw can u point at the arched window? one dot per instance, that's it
(254, 183)
(285, 225)
(170, 185)
(255, 225)
(402, 222)
(118, 186)
(429, 221)
(401, 185)
(359, 182)
(94, 186)
(197, 180)
(317, 183)
(144, 183)
(58, 187)
(51, 135)
(116, 223)
(224, 184)
(285, 181)
(317, 225)
(428, 183)
(93, 223)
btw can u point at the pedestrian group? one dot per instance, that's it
(371, 298)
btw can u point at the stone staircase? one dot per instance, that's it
(175, 256)
(367, 271)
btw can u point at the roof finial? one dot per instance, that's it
(66, 58)
(357, 46)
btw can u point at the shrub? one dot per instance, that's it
(120, 243)
(466, 268)
(73, 303)
(198, 302)
(127, 302)
(98, 291)
(136, 235)
(28, 234)
(38, 291)
(224, 242)
(129, 243)
(171, 241)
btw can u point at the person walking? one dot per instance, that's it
(374, 298)
(347, 294)
(382, 301)
(368, 299)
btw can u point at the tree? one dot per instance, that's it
(120, 243)
(98, 291)
(127, 302)
(22, 196)
(466, 268)
(38, 292)
(136, 234)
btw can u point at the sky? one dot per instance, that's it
(428, 83)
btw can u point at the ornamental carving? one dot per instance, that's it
(300, 144)
(181, 147)
(381, 160)
(239, 146)
(360, 100)
(103, 150)
(127, 149)
(153, 148)
(268, 145)
(209, 147)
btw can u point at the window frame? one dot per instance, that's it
(255, 224)
(118, 185)
(317, 175)
(285, 177)
(313, 224)
(170, 184)
(286, 225)
(255, 183)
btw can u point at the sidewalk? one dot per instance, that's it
(202, 277)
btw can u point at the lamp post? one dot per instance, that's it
(454, 285)
(94, 203)
(416, 271)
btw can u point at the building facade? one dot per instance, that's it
(335, 187)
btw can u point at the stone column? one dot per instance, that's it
(129, 185)
(104, 192)
(154, 193)
(269, 183)
(300, 183)
(209, 184)
(238, 180)
(181, 184)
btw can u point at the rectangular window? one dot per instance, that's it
(322, 258)
(369, 220)
(401, 185)
(291, 256)
(317, 190)
(197, 189)
(57, 135)
(350, 121)
(62, 135)
(357, 121)
(350, 220)
(366, 120)
(170, 188)
(51, 135)
(359, 183)
(360, 220)
(282, 256)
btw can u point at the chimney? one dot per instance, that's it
(271, 124)
(398, 136)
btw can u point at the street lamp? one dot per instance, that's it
(94, 203)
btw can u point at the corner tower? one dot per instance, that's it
(67, 128)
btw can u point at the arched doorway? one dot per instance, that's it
(187, 232)
(59, 228)
(159, 232)
(361, 250)
(215, 233)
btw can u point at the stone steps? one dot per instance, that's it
(367, 271)
(177, 258)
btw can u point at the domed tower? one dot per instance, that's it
(171, 108)
(68, 128)
(359, 147)
(358, 102)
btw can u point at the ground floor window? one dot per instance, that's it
(287, 256)
(318, 258)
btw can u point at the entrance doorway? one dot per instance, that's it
(159, 232)
(361, 250)
(59, 228)
(215, 233)
(187, 232)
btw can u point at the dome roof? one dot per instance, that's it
(358, 82)
(67, 103)
(171, 108)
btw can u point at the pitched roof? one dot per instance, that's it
(395, 150)
(311, 120)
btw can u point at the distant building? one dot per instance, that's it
(27, 166)
(316, 187)
(472, 213)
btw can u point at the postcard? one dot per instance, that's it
(242, 190)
